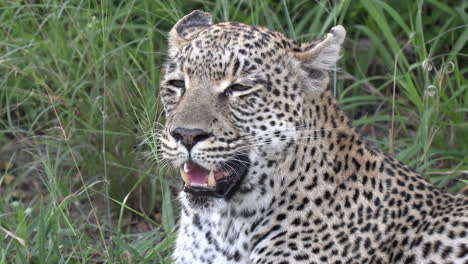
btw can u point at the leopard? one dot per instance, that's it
(273, 171)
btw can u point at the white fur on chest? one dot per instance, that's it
(215, 239)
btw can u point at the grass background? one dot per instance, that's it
(80, 180)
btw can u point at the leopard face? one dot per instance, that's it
(232, 95)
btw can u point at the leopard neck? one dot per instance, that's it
(328, 149)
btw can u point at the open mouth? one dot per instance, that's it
(220, 183)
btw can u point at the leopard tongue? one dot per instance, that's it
(195, 173)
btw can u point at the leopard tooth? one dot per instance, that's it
(185, 176)
(211, 179)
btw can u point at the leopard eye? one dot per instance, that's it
(177, 83)
(236, 88)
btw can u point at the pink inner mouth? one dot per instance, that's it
(198, 174)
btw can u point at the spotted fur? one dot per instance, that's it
(316, 191)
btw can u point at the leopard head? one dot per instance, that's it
(233, 99)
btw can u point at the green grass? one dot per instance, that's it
(79, 91)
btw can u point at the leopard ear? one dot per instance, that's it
(322, 55)
(188, 27)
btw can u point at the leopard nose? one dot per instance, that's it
(189, 137)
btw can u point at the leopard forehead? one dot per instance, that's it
(209, 54)
(231, 34)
